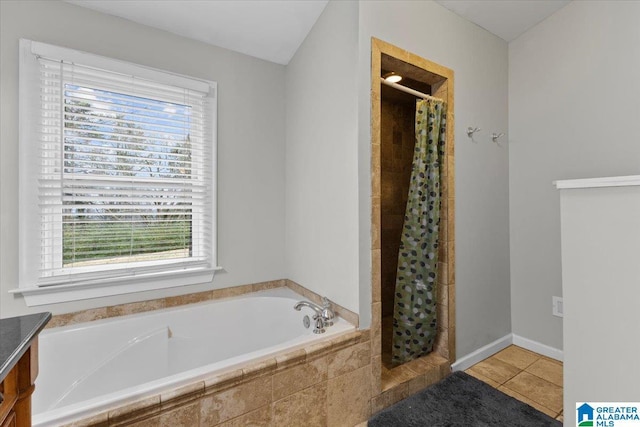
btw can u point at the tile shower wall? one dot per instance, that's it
(397, 144)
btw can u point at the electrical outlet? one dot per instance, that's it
(558, 306)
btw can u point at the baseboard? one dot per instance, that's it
(537, 347)
(501, 343)
(482, 353)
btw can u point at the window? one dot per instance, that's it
(117, 166)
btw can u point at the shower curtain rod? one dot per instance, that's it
(408, 90)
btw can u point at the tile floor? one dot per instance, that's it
(529, 377)
(522, 374)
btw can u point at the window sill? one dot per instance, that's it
(35, 296)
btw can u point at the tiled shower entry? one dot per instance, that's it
(391, 385)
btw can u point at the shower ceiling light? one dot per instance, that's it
(392, 77)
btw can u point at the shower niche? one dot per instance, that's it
(393, 142)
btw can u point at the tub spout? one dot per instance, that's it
(311, 305)
(324, 315)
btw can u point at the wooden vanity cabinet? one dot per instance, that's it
(16, 389)
(19, 366)
(9, 390)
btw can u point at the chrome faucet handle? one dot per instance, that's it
(319, 325)
(327, 313)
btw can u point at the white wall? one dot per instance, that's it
(574, 106)
(479, 61)
(321, 158)
(250, 138)
(600, 229)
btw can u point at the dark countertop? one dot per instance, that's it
(16, 335)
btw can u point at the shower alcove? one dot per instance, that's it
(393, 140)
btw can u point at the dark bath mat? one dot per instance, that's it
(461, 400)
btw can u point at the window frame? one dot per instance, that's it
(174, 274)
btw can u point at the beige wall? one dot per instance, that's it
(574, 105)
(479, 61)
(250, 138)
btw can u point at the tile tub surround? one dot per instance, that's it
(335, 382)
(326, 384)
(156, 304)
(326, 365)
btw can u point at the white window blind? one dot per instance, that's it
(125, 169)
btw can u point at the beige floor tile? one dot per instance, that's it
(527, 376)
(540, 391)
(517, 356)
(521, 398)
(557, 362)
(482, 378)
(496, 370)
(547, 370)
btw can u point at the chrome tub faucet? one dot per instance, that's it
(327, 313)
(323, 315)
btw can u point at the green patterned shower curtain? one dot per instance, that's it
(414, 320)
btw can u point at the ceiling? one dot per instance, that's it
(274, 29)
(507, 19)
(266, 29)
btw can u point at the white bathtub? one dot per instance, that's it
(87, 368)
